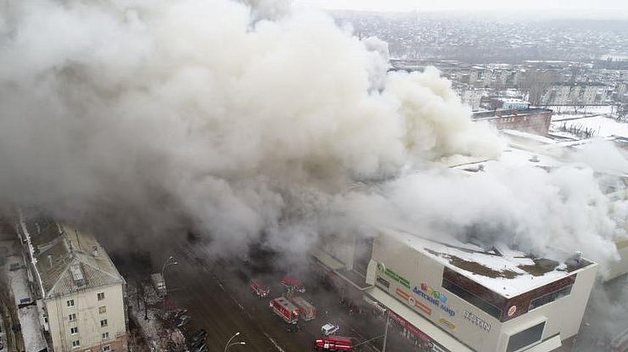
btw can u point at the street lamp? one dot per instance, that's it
(229, 344)
(170, 261)
(166, 264)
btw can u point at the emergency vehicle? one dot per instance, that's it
(306, 310)
(293, 284)
(259, 288)
(334, 343)
(285, 310)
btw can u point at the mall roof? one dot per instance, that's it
(503, 270)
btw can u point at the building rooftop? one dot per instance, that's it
(68, 260)
(507, 113)
(504, 271)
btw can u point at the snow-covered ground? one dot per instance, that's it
(28, 315)
(601, 126)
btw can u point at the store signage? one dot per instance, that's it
(447, 323)
(393, 275)
(512, 310)
(412, 302)
(476, 320)
(434, 297)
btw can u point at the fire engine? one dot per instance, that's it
(306, 310)
(285, 310)
(291, 283)
(259, 289)
(334, 343)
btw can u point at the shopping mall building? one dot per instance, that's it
(452, 296)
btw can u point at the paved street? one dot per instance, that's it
(218, 299)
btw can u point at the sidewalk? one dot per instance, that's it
(147, 315)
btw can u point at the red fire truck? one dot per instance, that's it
(334, 343)
(285, 310)
(306, 310)
(293, 284)
(259, 288)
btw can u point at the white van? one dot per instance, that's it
(329, 329)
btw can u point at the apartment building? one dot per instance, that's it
(79, 290)
(576, 93)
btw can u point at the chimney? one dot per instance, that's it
(50, 259)
(95, 251)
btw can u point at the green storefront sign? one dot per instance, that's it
(398, 278)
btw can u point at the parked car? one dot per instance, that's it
(196, 337)
(181, 321)
(329, 329)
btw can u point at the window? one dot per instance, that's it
(102, 309)
(550, 297)
(70, 303)
(473, 299)
(103, 323)
(74, 330)
(525, 338)
(72, 317)
(76, 344)
(106, 348)
(383, 282)
(101, 296)
(105, 335)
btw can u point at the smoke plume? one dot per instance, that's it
(246, 120)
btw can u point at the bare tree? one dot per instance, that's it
(537, 83)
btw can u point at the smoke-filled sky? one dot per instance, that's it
(141, 119)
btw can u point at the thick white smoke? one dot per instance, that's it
(149, 118)
(152, 117)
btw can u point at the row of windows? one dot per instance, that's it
(101, 310)
(479, 302)
(77, 344)
(550, 297)
(103, 323)
(100, 296)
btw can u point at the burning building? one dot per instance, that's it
(457, 296)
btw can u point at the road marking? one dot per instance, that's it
(274, 343)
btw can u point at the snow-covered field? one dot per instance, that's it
(601, 126)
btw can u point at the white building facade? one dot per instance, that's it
(80, 291)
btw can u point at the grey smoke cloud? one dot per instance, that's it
(142, 119)
(148, 118)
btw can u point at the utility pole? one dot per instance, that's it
(385, 332)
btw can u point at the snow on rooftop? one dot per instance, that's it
(503, 270)
(29, 314)
(511, 158)
(18, 281)
(31, 329)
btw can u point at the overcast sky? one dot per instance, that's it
(596, 6)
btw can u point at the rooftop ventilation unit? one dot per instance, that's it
(77, 275)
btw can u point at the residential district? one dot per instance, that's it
(399, 291)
